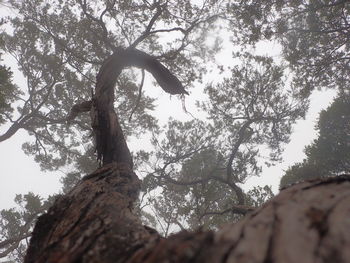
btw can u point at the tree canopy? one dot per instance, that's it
(328, 155)
(9, 92)
(194, 172)
(314, 36)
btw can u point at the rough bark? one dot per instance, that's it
(93, 223)
(308, 222)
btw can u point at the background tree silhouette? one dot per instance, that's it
(328, 155)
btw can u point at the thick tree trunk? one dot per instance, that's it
(95, 215)
(308, 222)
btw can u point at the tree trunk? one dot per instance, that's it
(308, 222)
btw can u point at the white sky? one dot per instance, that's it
(20, 174)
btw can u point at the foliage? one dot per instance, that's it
(17, 223)
(329, 154)
(59, 47)
(259, 195)
(8, 94)
(313, 36)
(199, 166)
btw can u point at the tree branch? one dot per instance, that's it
(229, 171)
(146, 33)
(14, 242)
(237, 209)
(139, 95)
(110, 142)
(99, 21)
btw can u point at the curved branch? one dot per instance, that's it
(24, 121)
(110, 142)
(232, 185)
(12, 243)
(229, 170)
(10, 132)
(147, 31)
(99, 20)
(131, 57)
(241, 135)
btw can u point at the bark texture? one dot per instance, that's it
(93, 223)
(308, 222)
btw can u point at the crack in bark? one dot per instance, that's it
(203, 245)
(60, 199)
(83, 212)
(273, 234)
(322, 225)
(91, 244)
(234, 245)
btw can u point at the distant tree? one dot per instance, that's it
(201, 165)
(16, 225)
(314, 36)
(9, 92)
(329, 154)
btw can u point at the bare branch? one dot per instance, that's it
(22, 121)
(139, 96)
(50, 139)
(241, 136)
(123, 31)
(169, 30)
(232, 185)
(236, 209)
(99, 21)
(146, 33)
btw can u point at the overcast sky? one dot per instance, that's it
(20, 173)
